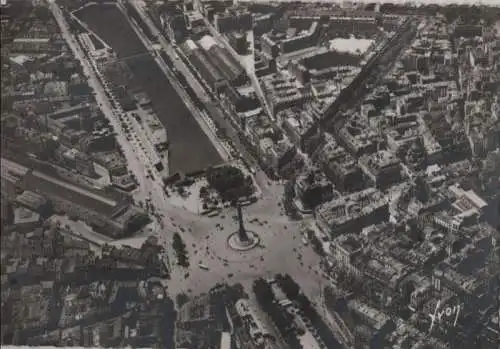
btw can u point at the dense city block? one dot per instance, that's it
(201, 174)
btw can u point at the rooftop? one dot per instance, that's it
(31, 199)
(23, 215)
(351, 206)
(379, 160)
(349, 242)
(375, 318)
(53, 187)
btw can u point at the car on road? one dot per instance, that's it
(203, 266)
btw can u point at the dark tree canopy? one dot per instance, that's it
(43, 13)
(293, 292)
(281, 319)
(180, 249)
(229, 182)
(137, 222)
(181, 299)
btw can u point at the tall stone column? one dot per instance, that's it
(242, 233)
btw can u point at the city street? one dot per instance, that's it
(206, 238)
(187, 100)
(149, 201)
(250, 70)
(281, 250)
(216, 112)
(136, 162)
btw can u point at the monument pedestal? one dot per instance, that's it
(236, 243)
(242, 240)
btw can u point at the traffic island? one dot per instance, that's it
(246, 242)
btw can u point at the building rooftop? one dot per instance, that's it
(12, 171)
(207, 42)
(385, 268)
(301, 121)
(298, 55)
(109, 159)
(455, 280)
(374, 317)
(380, 160)
(351, 206)
(468, 196)
(31, 199)
(23, 215)
(51, 186)
(195, 310)
(349, 242)
(225, 341)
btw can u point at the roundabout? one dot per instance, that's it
(243, 239)
(236, 242)
(268, 244)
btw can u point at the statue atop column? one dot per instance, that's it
(242, 233)
(242, 239)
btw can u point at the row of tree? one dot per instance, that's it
(281, 319)
(229, 182)
(465, 13)
(288, 197)
(180, 250)
(293, 292)
(316, 243)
